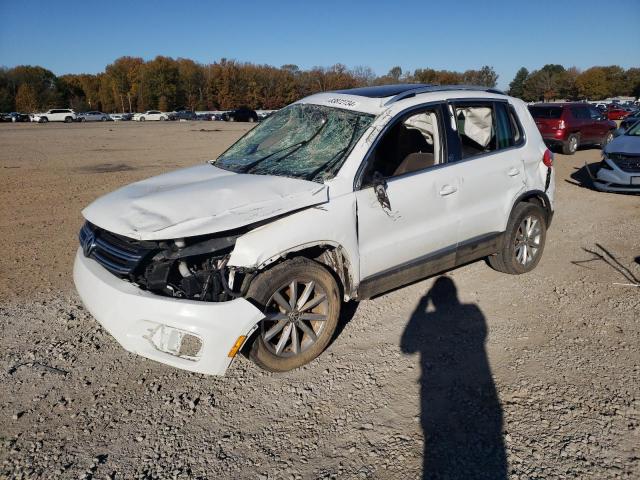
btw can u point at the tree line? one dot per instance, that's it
(556, 82)
(131, 84)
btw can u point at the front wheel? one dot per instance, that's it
(301, 303)
(607, 138)
(142, 119)
(44, 120)
(523, 241)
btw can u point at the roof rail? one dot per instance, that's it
(440, 88)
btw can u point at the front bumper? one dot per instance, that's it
(616, 179)
(158, 327)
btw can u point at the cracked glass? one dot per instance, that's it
(300, 141)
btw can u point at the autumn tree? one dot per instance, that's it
(592, 84)
(26, 98)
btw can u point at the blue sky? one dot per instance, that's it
(84, 36)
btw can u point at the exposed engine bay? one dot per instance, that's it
(194, 268)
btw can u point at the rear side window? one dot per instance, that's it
(546, 112)
(581, 113)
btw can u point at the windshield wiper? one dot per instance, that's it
(295, 147)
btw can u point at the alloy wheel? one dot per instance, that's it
(527, 241)
(295, 317)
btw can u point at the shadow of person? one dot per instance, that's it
(461, 416)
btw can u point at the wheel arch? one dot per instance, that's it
(537, 197)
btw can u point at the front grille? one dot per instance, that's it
(120, 255)
(627, 163)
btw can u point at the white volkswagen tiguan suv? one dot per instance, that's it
(342, 195)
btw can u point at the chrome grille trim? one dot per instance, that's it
(120, 255)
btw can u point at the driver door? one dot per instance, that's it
(407, 207)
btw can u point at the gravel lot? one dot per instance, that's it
(528, 377)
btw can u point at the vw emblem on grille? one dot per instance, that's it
(89, 243)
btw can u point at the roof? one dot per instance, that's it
(382, 91)
(376, 99)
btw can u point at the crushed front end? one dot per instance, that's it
(173, 301)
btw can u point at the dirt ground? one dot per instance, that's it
(526, 377)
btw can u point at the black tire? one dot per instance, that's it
(506, 260)
(68, 119)
(44, 120)
(162, 119)
(104, 119)
(607, 138)
(82, 120)
(278, 279)
(142, 119)
(252, 120)
(571, 145)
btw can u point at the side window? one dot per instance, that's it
(516, 128)
(594, 114)
(503, 124)
(476, 128)
(412, 143)
(581, 113)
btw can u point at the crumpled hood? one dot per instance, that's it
(624, 144)
(199, 200)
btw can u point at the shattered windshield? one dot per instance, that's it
(301, 141)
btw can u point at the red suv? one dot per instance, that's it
(569, 125)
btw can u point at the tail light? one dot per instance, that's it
(547, 158)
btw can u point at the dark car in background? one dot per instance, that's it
(183, 115)
(570, 125)
(242, 114)
(629, 121)
(15, 117)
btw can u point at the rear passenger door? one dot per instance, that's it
(489, 137)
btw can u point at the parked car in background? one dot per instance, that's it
(619, 170)
(616, 112)
(630, 120)
(118, 117)
(183, 115)
(55, 115)
(204, 116)
(341, 195)
(93, 116)
(15, 117)
(151, 115)
(570, 125)
(242, 114)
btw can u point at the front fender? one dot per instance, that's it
(333, 223)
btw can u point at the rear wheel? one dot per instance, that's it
(68, 119)
(104, 119)
(571, 145)
(142, 119)
(252, 120)
(523, 242)
(301, 303)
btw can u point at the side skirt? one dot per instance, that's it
(430, 265)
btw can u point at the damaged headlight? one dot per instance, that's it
(195, 269)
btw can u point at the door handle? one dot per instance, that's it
(513, 172)
(447, 190)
